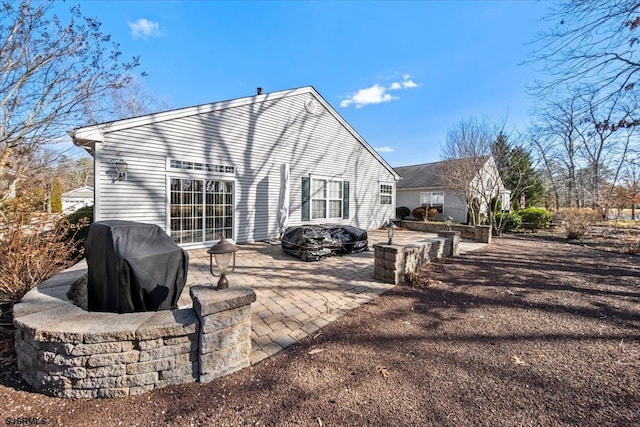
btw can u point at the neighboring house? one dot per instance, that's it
(430, 184)
(245, 167)
(76, 199)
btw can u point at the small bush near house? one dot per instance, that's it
(432, 213)
(507, 221)
(535, 218)
(402, 212)
(577, 222)
(78, 230)
(419, 213)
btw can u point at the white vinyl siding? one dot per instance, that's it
(253, 139)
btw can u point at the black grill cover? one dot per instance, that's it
(133, 267)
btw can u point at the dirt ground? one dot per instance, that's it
(529, 331)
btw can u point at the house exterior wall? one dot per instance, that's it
(454, 205)
(487, 184)
(255, 138)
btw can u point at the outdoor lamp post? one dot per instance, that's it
(390, 228)
(222, 252)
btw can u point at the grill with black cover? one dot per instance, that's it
(133, 267)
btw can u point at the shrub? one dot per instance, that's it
(78, 228)
(507, 221)
(30, 254)
(576, 222)
(419, 213)
(535, 218)
(402, 212)
(432, 213)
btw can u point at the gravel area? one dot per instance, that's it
(524, 332)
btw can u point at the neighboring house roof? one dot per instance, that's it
(82, 192)
(433, 174)
(88, 135)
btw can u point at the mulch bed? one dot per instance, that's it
(525, 332)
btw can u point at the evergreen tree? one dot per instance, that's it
(56, 196)
(517, 173)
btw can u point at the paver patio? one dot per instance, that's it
(297, 298)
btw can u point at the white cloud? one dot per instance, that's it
(143, 29)
(375, 94)
(408, 84)
(385, 149)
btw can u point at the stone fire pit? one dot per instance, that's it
(65, 351)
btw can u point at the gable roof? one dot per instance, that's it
(433, 174)
(85, 191)
(88, 135)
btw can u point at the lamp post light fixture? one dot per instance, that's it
(390, 229)
(222, 252)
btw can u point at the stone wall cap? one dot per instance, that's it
(385, 246)
(208, 300)
(178, 322)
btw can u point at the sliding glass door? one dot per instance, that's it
(201, 210)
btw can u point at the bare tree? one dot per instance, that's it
(631, 181)
(559, 136)
(591, 50)
(467, 151)
(129, 100)
(48, 72)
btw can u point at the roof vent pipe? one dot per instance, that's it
(259, 91)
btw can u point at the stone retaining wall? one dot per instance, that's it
(466, 231)
(65, 351)
(392, 262)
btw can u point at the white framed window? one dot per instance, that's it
(433, 199)
(326, 198)
(386, 194)
(186, 165)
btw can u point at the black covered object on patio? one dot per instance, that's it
(133, 267)
(314, 242)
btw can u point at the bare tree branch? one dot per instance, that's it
(48, 73)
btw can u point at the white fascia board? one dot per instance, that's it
(91, 133)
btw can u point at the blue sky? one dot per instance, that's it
(401, 73)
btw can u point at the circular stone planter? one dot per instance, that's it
(65, 351)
